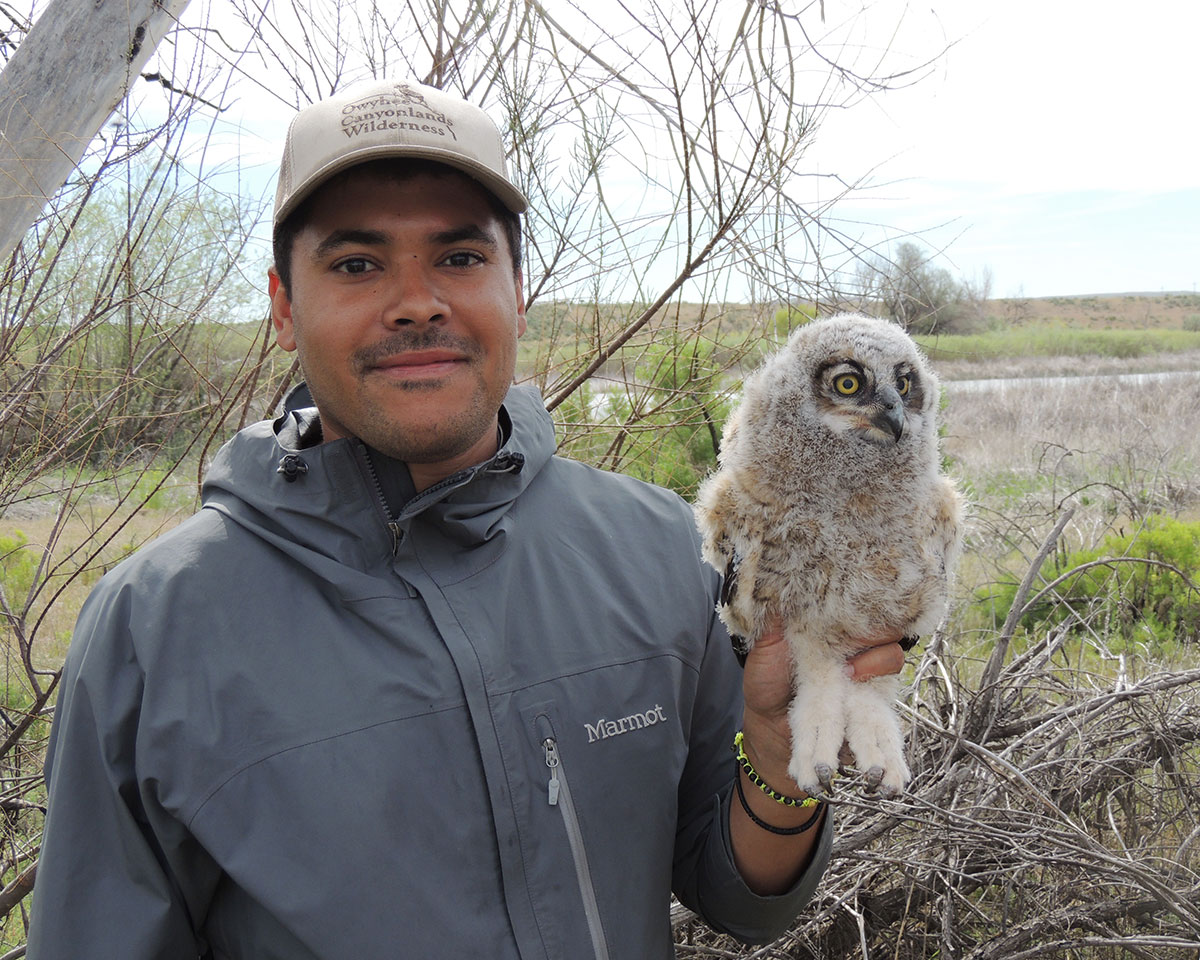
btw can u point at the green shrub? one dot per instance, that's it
(18, 567)
(664, 425)
(1136, 587)
(674, 444)
(1058, 340)
(789, 318)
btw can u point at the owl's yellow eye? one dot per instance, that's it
(847, 384)
(903, 385)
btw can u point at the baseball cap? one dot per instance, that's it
(387, 118)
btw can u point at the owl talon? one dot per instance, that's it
(824, 774)
(874, 779)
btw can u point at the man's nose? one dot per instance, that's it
(415, 296)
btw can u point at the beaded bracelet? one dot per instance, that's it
(758, 821)
(752, 774)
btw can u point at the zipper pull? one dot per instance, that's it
(551, 749)
(397, 536)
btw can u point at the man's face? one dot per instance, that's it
(405, 312)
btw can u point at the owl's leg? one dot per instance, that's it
(873, 734)
(817, 721)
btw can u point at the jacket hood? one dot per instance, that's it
(327, 499)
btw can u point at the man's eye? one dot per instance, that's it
(355, 265)
(463, 259)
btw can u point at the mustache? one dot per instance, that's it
(402, 341)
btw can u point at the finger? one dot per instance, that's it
(772, 630)
(880, 661)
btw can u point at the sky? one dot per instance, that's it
(1054, 144)
(1050, 144)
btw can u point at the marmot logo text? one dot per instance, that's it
(604, 728)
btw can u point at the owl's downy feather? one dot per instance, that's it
(829, 506)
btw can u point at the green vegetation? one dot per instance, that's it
(18, 565)
(788, 319)
(1139, 587)
(663, 425)
(1056, 340)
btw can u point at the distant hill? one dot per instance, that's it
(1138, 311)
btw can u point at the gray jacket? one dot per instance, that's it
(495, 723)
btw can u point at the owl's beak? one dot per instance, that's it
(889, 415)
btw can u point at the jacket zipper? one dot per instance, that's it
(392, 524)
(559, 795)
(501, 463)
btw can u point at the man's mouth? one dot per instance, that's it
(418, 364)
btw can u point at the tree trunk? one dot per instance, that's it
(58, 89)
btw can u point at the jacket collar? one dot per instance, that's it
(338, 499)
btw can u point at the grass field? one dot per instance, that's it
(1054, 340)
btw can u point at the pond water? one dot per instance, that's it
(1024, 383)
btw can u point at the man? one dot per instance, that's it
(409, 685)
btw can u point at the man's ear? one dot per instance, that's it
(281, 310)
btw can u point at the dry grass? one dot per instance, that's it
(1066, 434)
(1066, 366)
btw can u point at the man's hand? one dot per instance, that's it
(770, 863)
(767, 688)
(767, 681)
(878, 659)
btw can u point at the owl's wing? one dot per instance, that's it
(725, 542)
(739, 604)
(948, 522)
(946, 533)
(729, 586)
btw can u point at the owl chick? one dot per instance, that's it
(829, 507)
